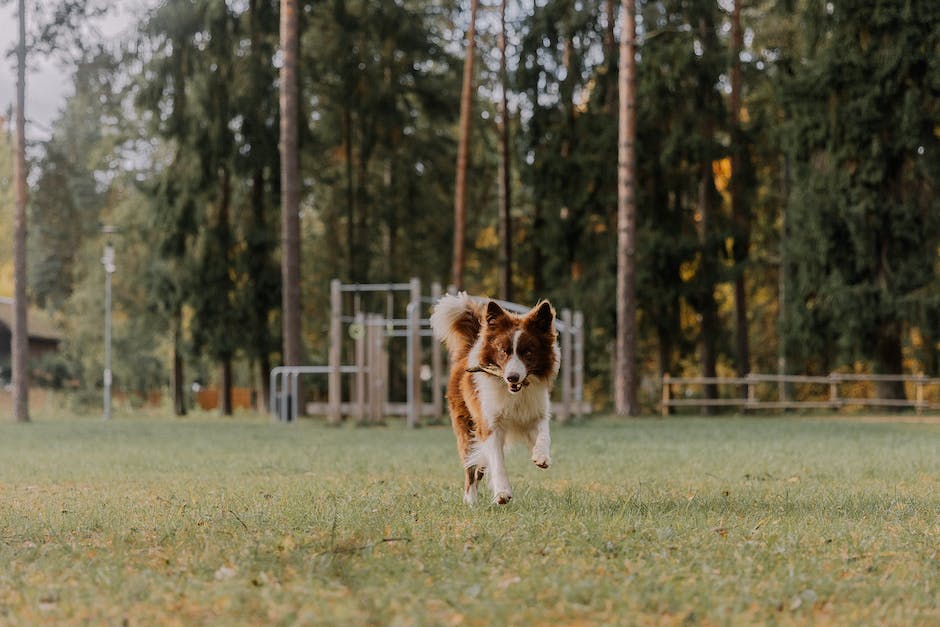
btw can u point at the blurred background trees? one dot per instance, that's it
(786, 191)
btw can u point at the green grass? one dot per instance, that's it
(687, 520)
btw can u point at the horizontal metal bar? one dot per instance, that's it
(884, 402)
(909, 378)
(789, 404)
(706, 402)
(738, 402)
(705, 380)
(406, 333)
(312, 370)
(787, 378)
(401, 408)
(375, 287)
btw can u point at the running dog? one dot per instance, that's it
(503, 366)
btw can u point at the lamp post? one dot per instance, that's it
(108, 261)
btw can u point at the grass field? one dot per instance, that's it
(701, 521)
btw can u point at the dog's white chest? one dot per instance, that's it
(499, 405)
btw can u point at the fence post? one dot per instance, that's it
(376, 384)
(920, 393)
(334, 383)
(414, 354)
(664, 406)
(566, 336)
(295, 397)
(578, 363)
(284, 411)
(272, 391)
(751, 390)
(833, 390)
(362, 368)
(437, 366)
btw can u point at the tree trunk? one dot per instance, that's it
(179, 398)
(889, 350)
(783, 367)
(538, 255)
(665, 354)
(505, 198)
(225, 388)
(260, 316)
(625, 378)
(611, 57)
(290, 186)
(610, 33)
(463, 149)
(708, 308)
(890, 360)
(351, 257)
(361, 270)
(264, 365)
(739, 210)
(20, 333)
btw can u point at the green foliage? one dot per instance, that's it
(70, 195)
(381, 147)
(176, 143)
(725, 520)
(6, 201)
(864, 228)
(681, 134)
(215, 195)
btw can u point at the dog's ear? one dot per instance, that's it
(542, 317)
(494, 314)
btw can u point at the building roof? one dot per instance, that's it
(38, 323)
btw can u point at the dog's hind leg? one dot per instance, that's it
(472, 476)
(464, 430)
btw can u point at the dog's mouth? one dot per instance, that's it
(493, 370)
(516, 386)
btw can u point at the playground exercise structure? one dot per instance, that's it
(368, 341)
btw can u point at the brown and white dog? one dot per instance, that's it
(503, 366)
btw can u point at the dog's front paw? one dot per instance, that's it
(541, 459)
(501, 498)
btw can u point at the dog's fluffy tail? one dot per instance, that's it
(456, 322)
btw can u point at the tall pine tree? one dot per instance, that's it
(863, 109)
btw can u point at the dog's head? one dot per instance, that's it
(519, 347)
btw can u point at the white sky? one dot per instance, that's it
(47, 82)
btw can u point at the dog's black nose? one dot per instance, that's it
(512, 378)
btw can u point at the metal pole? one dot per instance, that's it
(578, 333)
(437, 367)
(361, 368)
(414, 354)
(107, 346)
(334, 383)
(295, 397)
(285, 394)
(108, 261)
(567, 337)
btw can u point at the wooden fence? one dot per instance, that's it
(818, 392)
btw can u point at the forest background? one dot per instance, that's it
(796, 230)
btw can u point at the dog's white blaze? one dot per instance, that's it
(515, 366)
